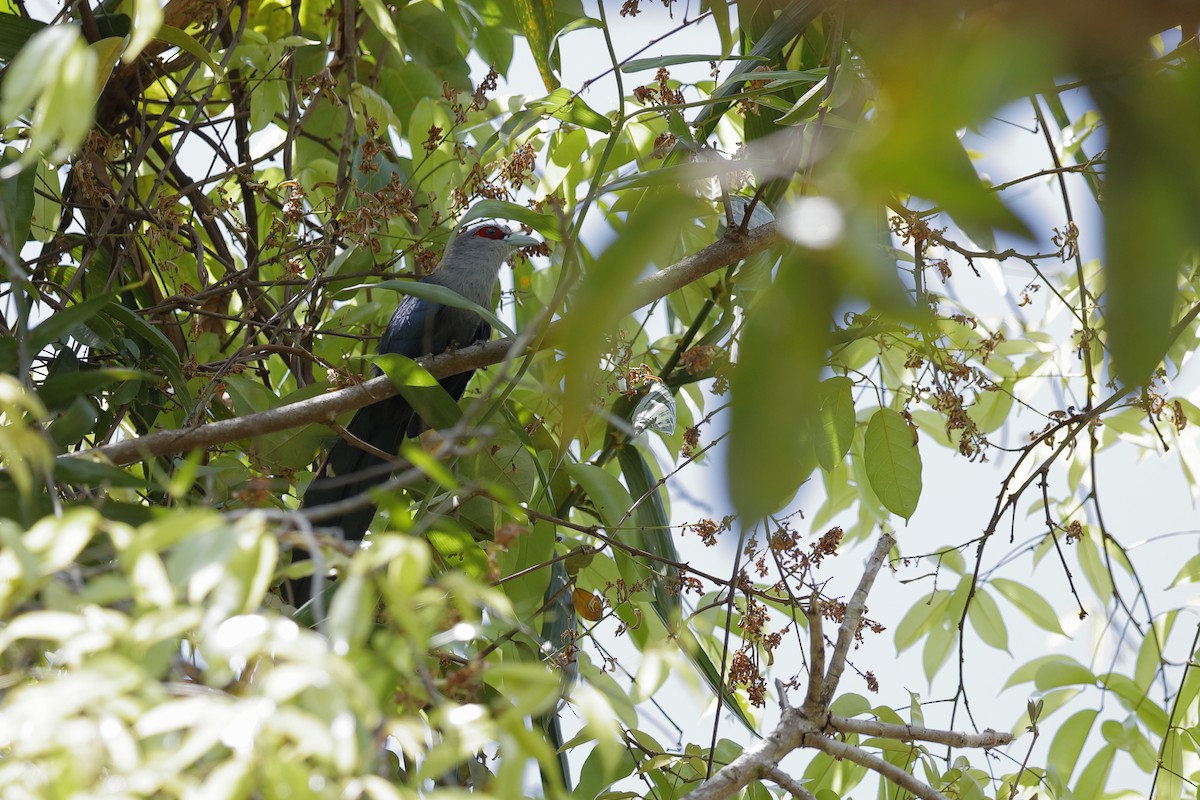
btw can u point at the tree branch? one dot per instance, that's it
(913, 733)
(326, 407)
(854, 612)
(813, 726)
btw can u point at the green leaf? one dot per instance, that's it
(1094, 777)
(1149, 186)
(893, 462)
(1030, 603)
(60, 323)
(59, 390)
(43, 224)
(563, 104)
(422, 391)
(775, 402)
(16, 203)
(920, 619)
(1064, 671)
(639, 64)
(15, 31)
(187, 43)
(835, 421)
(1094, 566)
(168, 358)
(1069, 741)
(382, 19)
(986, 619)
(433, 293)
(938, 646)
(610, 499)
(576, 24)
(652, 531)
(545, 224)
(537, 20)
(1188, 573)
(1170, 776)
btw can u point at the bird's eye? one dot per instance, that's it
(490, 232)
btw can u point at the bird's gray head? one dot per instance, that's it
(483, 247)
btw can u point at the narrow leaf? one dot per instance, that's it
(537, 23)
(433, 293)
(835, 422)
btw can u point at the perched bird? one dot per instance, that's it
(418, 328)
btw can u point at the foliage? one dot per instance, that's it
(203, 215)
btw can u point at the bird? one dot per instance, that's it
(419, 327)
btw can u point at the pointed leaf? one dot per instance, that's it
(538, 24)
(435, 294)
(835, 422)
(422, 391)
(1031, 604)
(893, 462)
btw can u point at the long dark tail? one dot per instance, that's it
(349, 470)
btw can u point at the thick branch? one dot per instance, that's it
(795, 731)
(326, 407)
(886, 769)
(911, 733)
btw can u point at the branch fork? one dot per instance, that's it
(812, 725)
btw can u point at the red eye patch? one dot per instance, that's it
(490, 232)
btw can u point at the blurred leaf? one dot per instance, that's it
(604, 291)
(77, 470)
(893, 462)
(537, 20)
(147, 20)
(782, 352)
(639, 64)
(1152, 181)
(530, 688)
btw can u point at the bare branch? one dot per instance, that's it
(854, 612)
(886, 769)
(912, 733)
(790, 784)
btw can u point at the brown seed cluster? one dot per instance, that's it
(661, 93)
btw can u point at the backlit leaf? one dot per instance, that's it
(893, 462)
